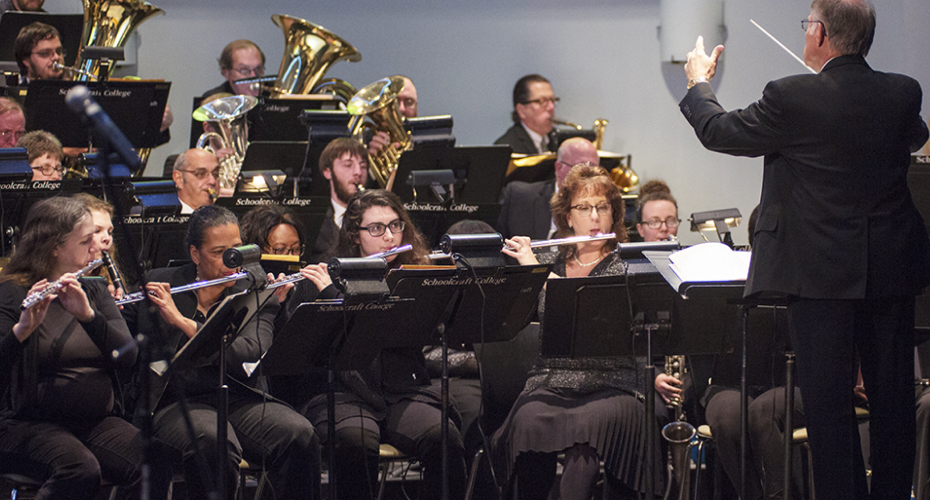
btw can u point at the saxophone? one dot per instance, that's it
(679, 435)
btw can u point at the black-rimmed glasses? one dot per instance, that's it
(376, 229)
(585, 209)
(670, 222)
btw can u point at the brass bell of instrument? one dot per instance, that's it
(227, 116)
(378, 103)
(309, 51)
(108, 23)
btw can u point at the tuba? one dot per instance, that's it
(309, 50)
(227, 116)
(378, 102)
(108, 23)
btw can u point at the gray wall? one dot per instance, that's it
(602, 57)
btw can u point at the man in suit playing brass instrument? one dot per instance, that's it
(838, 234)
(533, 113)
(195, 175)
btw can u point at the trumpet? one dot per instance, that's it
(571, 240)
(140, 295)
(36, 297)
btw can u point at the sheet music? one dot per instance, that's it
(710, 262)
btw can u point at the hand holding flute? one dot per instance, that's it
(68, 291)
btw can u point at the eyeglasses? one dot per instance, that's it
(377, 229)
(542, 101)
(585, 209)
(807, 22)
(17, 134)
(246, 71)
(48, 53)
(670, 222)
(296, 250)
(409, 102)
(201, 173)
(49, 169)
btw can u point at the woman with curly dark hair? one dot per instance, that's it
(392, 401)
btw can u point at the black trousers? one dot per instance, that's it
(827, 334)
(765, 438)
(261, 432)
(410, 425)
(71, 460)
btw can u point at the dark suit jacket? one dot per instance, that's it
(224, 88)
(521, 142)
(836, 218)
(525, 209)
(325, 241)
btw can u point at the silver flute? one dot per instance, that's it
(140, 295)
(571, 240)
(394, 251)
(36, 297)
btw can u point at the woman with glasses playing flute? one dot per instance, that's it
(588, 409)
(59, 420)
(392, 401)
(261, 429)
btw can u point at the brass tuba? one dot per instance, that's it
(378, 102)
(309, 50)
(227, 116)
(108, 23)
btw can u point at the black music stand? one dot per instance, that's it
(344, 337)
(209, 344)
(730, 292)
(478, 170)
(137, 108)
(456, 292)
(16, 198)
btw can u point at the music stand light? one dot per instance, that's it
(479, 250)
(360, 279)
(261, 181)
(718, 220)
(14, 165)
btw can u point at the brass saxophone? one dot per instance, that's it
(679, 435)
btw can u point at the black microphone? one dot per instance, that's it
(113, 272)
(81, 102)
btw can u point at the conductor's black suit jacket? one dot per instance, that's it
(836, 217)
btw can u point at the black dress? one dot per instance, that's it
(59, 421)
(598, 401)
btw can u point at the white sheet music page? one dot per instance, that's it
(710, 262)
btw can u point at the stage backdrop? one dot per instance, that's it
(602, 57)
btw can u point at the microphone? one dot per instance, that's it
(113, 272)
(81, 102)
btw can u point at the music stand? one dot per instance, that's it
(137, 108)
(729, 292)
(479, 172)
(210, 343)
(69, 26)
(16, 198)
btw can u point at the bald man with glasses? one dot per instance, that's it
(195, 175)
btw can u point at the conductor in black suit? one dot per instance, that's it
(525, 208)
(838, 234)
(533, 111)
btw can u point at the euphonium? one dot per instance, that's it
(309, 50)
(378, 103)
(108, 23)
(227, 116)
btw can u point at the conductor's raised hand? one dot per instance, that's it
(73, 298)
(699, 64)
